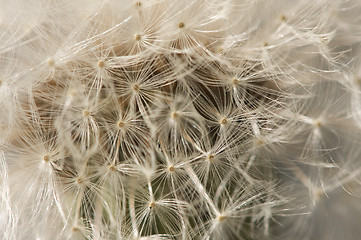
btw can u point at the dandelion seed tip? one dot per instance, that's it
(112, 168)
(46, 158)
(181, 25)
(265, 44)
(79, 180)
(73, 92)
(283, 18)
(86, 113)
(101, 64)
(75, 229)
(235, 81)
(1, 82)
(136, 87)
(171, 168)
(138, 4)
(210, 157)
(219, 49)
(317, 123)
(224, 121)
(120, 124)
(324, 39)
(175, 115)
(357, 80)
(221, 218)
(51, 62)
(151, 205)
(137, 37)
(259, 142)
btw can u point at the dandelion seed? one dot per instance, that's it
(221, 218)
(46, 158)
(317, 123)
(121, 124)
(86, 113)
(138, 4)
(171, 169)
(136, 88)
(137, 37)
(101, 64)
(283, 18)
(210, 157)
(223, 121)
(175, 115)
(235, 81)
(112, 168)
(51, 62)
(152, 205)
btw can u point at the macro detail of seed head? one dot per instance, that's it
(192, 119)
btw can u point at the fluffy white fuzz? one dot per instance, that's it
(192, 119)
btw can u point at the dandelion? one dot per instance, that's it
(191, 119)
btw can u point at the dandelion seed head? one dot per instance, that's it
(177, 119)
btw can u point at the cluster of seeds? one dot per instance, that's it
(164, 119)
